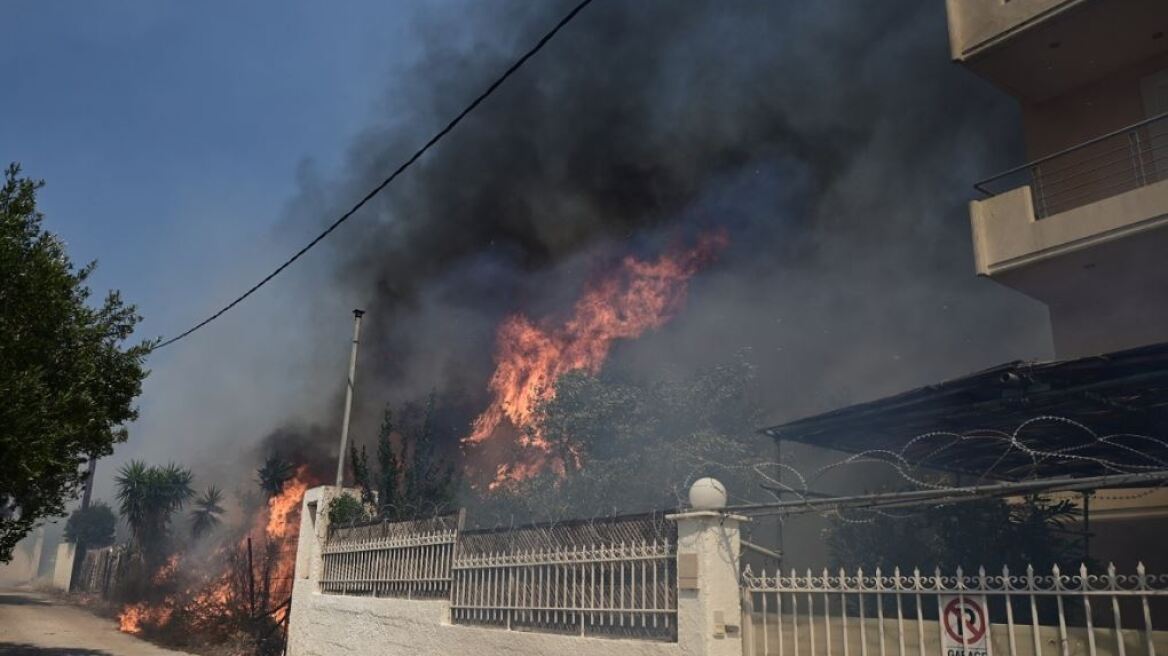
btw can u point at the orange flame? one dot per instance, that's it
(134, 617)
(529, 357)
(215, 596)
(283, 527)
(166, 572)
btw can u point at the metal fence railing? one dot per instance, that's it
(391, 559)
(1105, 166)
(605, 577)
(1028, 615)
(614, 576)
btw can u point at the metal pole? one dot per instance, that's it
(88, 493)
(79, 547)
(1087, 524)
(357, 314)
(250, 582)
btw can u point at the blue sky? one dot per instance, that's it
(170, 133)
(170, 136)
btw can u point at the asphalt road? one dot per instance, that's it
(32, 624)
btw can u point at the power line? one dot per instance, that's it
(384, 183)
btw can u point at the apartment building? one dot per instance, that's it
(1083, 225)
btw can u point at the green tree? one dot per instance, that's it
(67, 376)
(92, 527)
(148, 497)
(409, 482)
(389, 468)
(359, 463)
(429, 481)
(632, 445)
(208, 507)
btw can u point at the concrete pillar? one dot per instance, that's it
(63, 568)
(314, 525)
(709, 605)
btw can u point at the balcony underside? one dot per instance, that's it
(1040, 49)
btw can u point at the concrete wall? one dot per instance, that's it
(324, 625)
(26, 559)
(21, 569)
(63, 567)
(1095, 109)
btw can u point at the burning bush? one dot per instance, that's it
(233, 589)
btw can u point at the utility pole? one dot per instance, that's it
(88, 493)
(79, 547)
(357, 314)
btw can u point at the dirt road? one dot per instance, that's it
(32, 624)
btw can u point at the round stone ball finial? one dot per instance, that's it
(707, 494)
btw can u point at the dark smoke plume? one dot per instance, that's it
(833, 140)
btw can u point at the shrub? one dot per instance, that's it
(345, 510)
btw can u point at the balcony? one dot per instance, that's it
(1129, 158)
(1085, 230)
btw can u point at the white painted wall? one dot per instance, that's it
(63, 567)
(325, 625)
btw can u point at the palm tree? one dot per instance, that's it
(206, 512)
(274, 474)
(147, 497)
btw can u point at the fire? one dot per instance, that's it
(219, 595)
(283, 527)
(637, 296)
(284, 508)
(135, 616)
(166, 572)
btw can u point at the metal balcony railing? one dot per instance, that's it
(1106, 166)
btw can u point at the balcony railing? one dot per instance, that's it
(1106, 166)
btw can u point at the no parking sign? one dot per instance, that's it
(965, 625)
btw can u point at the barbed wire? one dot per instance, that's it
(920, 465)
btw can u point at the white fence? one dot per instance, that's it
(605, 589)
(612, 577)
(398, 559)
(1027, 615)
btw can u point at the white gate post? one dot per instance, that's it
(309, 568)
(709, 604)
(313, 531)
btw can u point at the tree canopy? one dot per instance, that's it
(411, 481)
(68, 378)
(207, 511)
(148, 495)
(639, 444)
(92, 527)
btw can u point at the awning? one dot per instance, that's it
(1084, 417)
